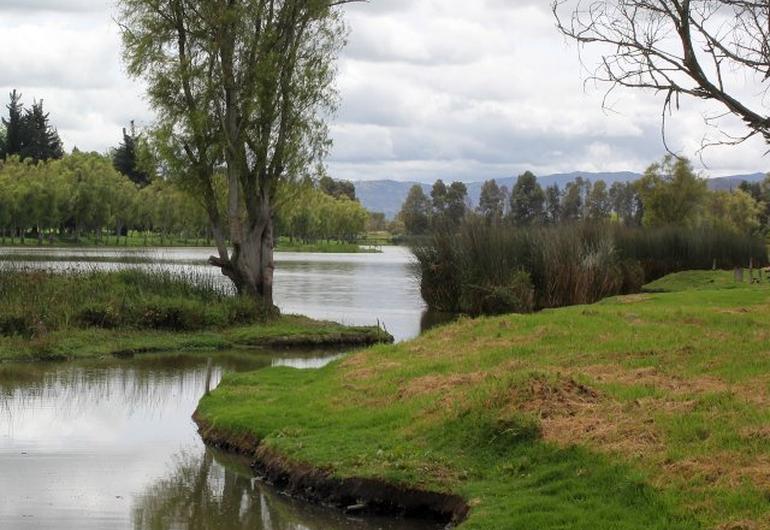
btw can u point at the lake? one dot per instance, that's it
(356, 289)
(110, 444)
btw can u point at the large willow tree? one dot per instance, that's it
(244, 85)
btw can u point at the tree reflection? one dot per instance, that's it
(214, 491)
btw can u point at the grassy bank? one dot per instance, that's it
(644, 411)
(48, 315)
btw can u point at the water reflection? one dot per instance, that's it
(213, 490)
(110, 444)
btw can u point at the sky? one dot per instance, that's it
(428, 89)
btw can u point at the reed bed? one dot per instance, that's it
(484, 268)
(35, 302)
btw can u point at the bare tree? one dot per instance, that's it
(704, 49)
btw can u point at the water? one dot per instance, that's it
(110, 444)
(354, 289)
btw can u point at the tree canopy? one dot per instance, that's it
(28, 132)
(244, 83)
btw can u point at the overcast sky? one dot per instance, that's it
(429, 88)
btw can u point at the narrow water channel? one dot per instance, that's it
(109, 444)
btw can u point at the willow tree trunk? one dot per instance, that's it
(250, 264)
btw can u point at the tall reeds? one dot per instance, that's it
(484, 268)
(34, 302)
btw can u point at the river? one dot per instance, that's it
(109, 444)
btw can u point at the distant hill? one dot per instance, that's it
(387, 196)
(730, 183)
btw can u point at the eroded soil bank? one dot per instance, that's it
(354, 495)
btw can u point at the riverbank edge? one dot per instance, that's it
(96, 343)
(312, 484)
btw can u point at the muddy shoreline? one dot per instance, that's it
(353, 495)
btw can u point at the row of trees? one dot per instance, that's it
(83, 193)
(669, 193)
(309, 214)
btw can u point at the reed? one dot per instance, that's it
(34, 302)
(484, 268)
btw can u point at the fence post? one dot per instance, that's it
(739, 274)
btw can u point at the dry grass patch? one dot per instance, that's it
(725, 469)
(431, 384)
(573, 413)
(654, 378)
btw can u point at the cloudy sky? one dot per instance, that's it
(429, 88)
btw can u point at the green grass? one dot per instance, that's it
(45, 315)
(692, 280)
(85, 343)
(643, 411)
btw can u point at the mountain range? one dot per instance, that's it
(387, 196)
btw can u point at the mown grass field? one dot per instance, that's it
(648, 411)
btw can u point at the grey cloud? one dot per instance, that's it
(429, 88)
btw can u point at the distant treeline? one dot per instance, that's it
(538, 248)
(83, 194)
(668, 193)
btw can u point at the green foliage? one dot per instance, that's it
(309, 214)
(527, 201)
(338, 189)
(491, 202)
(127, 157)
(245, 86)
(448, 204)
(83, 193)
(34, 302)
(736, 211)
(416, 211)
(470, 270)
(672, 193)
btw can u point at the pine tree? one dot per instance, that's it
(40, 141)
(13, 126)
(125, 158)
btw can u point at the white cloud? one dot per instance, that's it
(434, 88)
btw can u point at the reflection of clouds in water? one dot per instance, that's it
(306, 363)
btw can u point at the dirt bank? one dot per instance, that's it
(359, 495)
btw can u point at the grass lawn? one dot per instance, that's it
(649, 411)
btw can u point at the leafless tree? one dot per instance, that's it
(705, 49)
